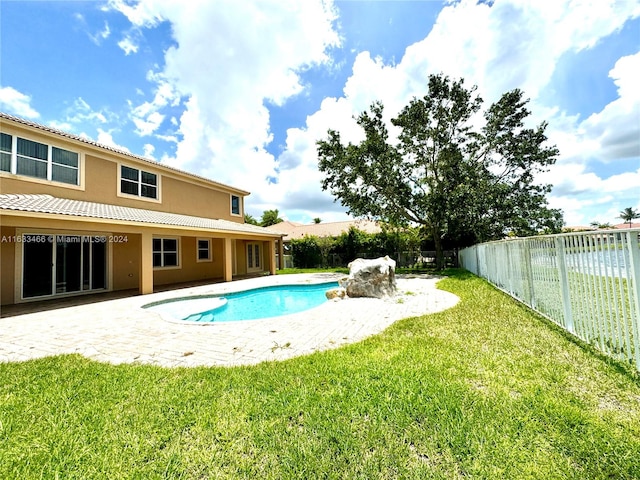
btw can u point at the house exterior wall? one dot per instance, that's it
(267, 256)
(129, 260)
(125, 262)
(7, 260)
(100, 182)
(241, 257)
(190, 269)
(123, 259)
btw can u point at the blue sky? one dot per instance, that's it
(240, 91)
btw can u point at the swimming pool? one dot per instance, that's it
(258, 303)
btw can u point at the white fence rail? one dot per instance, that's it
(588, 283)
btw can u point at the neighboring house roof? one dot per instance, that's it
(594, 229)
(285, 227)
(76, 208)
(295, 230)
(626, 225)
(86, 141)
(577, 228)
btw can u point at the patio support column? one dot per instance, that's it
(271, 249)
(281, 253)
(227, 259)
(146, 263)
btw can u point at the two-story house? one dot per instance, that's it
(78, 217)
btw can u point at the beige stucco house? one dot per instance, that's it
(77, 217)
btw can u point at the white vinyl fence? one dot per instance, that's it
(588, 283)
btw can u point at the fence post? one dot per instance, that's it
(564, 285)
(529, 272)
(508, 274)
(634, 290)
(475, 254)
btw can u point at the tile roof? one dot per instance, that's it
(77, 208)
(87, 141)
(626, 225)
(330, 229)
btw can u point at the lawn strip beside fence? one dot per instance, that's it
(588, 283)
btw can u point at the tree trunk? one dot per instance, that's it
(438, 244)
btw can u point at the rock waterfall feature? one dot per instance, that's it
(370, 278)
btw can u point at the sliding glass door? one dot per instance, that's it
(37, 267)
(62, 264)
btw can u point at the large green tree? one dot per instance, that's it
(462, 182)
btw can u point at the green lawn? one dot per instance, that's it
(484, 390)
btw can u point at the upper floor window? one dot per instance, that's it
(138, 182)
(235, 205)
(6, 147)
(38, 160)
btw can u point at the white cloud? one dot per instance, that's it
(511, 44)
(148, 150)
(103, 34)
(106, 138)
(231, 58)
(150, 125)
(80, 114)
(609, 136)
(617, 127)
(13, 101)
(627, 181)
(97, 37)
(140, 14)
(128, 45)
(62, 126)
(146, 116)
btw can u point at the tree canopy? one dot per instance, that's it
(250, 219)
(270, 217)
(628, 215)
(463, 182)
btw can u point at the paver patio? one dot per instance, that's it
(121, 331)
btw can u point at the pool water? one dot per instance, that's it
(253, 304)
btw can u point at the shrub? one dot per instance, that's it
(306, 252)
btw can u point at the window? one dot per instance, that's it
(235, 205)
(32, 159)
(204, 250)
(38, 160)
(165, 252)
(138, 182)
(6, 146)
(64, 166)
